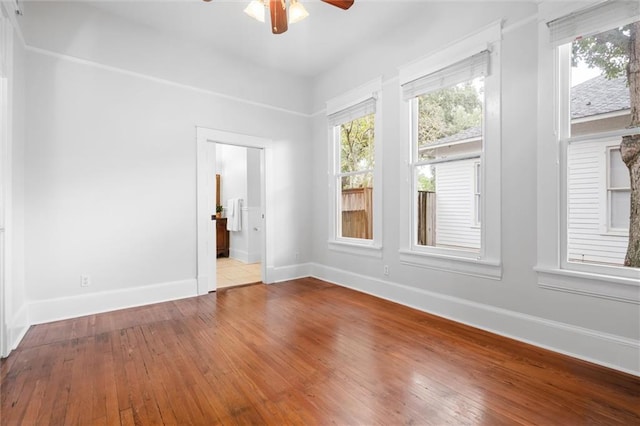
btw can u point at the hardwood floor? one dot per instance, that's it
(300, 352)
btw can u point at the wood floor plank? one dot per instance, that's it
(302, 352)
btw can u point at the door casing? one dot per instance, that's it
(206, 195)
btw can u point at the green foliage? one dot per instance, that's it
(357, 144)
(448, 111)
(607, 51)
(357, 151)
(426, 183)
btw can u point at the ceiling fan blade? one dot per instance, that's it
(278, 11)
(342, 4)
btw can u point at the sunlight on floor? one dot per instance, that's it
(231, 272)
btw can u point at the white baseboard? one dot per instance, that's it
(253, 257)
(42, 311)
(240, 255)
(245, 256)
(17, 328)
(290, 272)
(608, 350)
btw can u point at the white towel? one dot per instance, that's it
(234, 214)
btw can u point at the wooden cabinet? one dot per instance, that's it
(222, 238)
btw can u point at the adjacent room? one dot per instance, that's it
(239, 236)
(319, 212)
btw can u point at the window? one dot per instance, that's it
(356, 141)
(587, 59)
(596, 100)
(354, 134)
(453, 154)
(447, 139)
(618, 196)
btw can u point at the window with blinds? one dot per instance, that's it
(593, 47)
(447, 138)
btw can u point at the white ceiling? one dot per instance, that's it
(307, 49)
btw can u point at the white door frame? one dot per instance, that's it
(206, 178)
(6, 196)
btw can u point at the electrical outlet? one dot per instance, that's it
(85, 280)
(386, 269)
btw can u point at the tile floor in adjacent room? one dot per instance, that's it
(232, 272)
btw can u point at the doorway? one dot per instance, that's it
(259, 159)
(239, 225)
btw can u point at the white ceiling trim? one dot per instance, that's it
(147, 77)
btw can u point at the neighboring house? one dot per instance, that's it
(457, 185)
(598, 180)
(598, 216)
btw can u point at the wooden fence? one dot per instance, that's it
(426, 218)
(357, 213)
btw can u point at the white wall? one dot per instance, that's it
(514, 305)
(110, 182)
(83, 31)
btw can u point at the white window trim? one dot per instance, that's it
(356, 246)
(553, 271)
(476, 194)
(606, 200)
(488, 262)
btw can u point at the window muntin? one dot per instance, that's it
(594, 111)
(447, 142)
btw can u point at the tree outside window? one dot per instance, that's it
(608, 102)
(355, 180)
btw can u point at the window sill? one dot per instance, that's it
(365, 249)
(621, 234)
(590, 284)
(456, 264)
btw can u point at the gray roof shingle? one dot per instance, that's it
(599, 96)
(471, 132)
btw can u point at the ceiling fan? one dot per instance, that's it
(278, 11)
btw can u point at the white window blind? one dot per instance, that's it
(465, 70)
(346, 115)
(593, 20)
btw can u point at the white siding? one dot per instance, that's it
(454, 205)
(587, 236)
